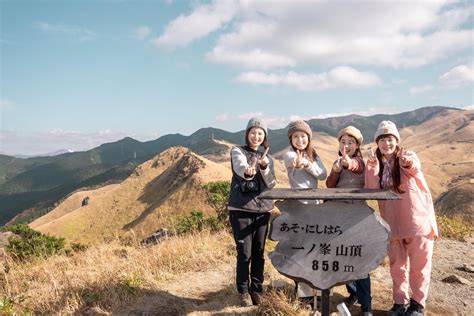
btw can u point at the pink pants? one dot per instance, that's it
(410, 267)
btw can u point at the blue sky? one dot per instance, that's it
(75, 74)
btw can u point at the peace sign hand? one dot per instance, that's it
(372, 157)
(337, 167)
(345, 160)
(405, 160)
(298, 162)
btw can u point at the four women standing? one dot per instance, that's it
(411, 219)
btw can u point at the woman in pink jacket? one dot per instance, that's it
(412, 220)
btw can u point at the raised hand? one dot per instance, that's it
(337, 167)
(251, 170)
(405, 160)
(298, 162)
(345, 160)
(372, 157)
(264, 161)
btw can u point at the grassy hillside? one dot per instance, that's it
(168, 185)
(38, 201)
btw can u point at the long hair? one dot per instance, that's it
(310, 150)
(265, 140)
(357, 153)
(395, 170)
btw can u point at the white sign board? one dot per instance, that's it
(329, 243)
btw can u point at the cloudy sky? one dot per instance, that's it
(75, 74)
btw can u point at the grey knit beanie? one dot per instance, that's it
(257, 122)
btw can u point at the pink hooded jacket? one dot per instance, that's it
(413, 215)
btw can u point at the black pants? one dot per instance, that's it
(361, 290)
(250, 231)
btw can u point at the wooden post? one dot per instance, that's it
(325, 303)
(330, 243)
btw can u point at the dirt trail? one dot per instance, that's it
(212, 292)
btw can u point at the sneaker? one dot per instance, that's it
(256, 298)
(245, 300)
(398, 310)
(415, 309)
(367, 313)
(351, 300)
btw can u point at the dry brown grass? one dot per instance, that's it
(109, 275)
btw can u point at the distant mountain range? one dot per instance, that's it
(53, 153)
(37, 183)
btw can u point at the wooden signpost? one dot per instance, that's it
(330, 243)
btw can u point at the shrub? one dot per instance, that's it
(131, 283)
(90, 297)
(454, 228)
(28, 243)
(78, 247)
(217, 197)
(6, 306)
(196, 222)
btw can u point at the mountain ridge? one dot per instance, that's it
(39, 182)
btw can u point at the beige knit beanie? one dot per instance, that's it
(351, 131)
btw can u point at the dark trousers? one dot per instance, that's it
(250, 231)
(361, 289)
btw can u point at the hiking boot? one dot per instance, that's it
(245, 300)
(256, 298)
(351, 300)
(415, 309)
(398, 310)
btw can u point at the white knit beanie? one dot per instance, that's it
(387, 128)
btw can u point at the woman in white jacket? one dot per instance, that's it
(304, 168)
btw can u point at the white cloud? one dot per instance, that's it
(336, 77)
(277, 122)
(399, 82)
(249, 115)
(14, 142)
(420, 89)
(458, 76)
(469, 107)
(202, 21)
(223, 117)
(5, 104)
(142, 32)
(77, 32)
(268, 34)
(272, 121)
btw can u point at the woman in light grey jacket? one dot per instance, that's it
(304, 168)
